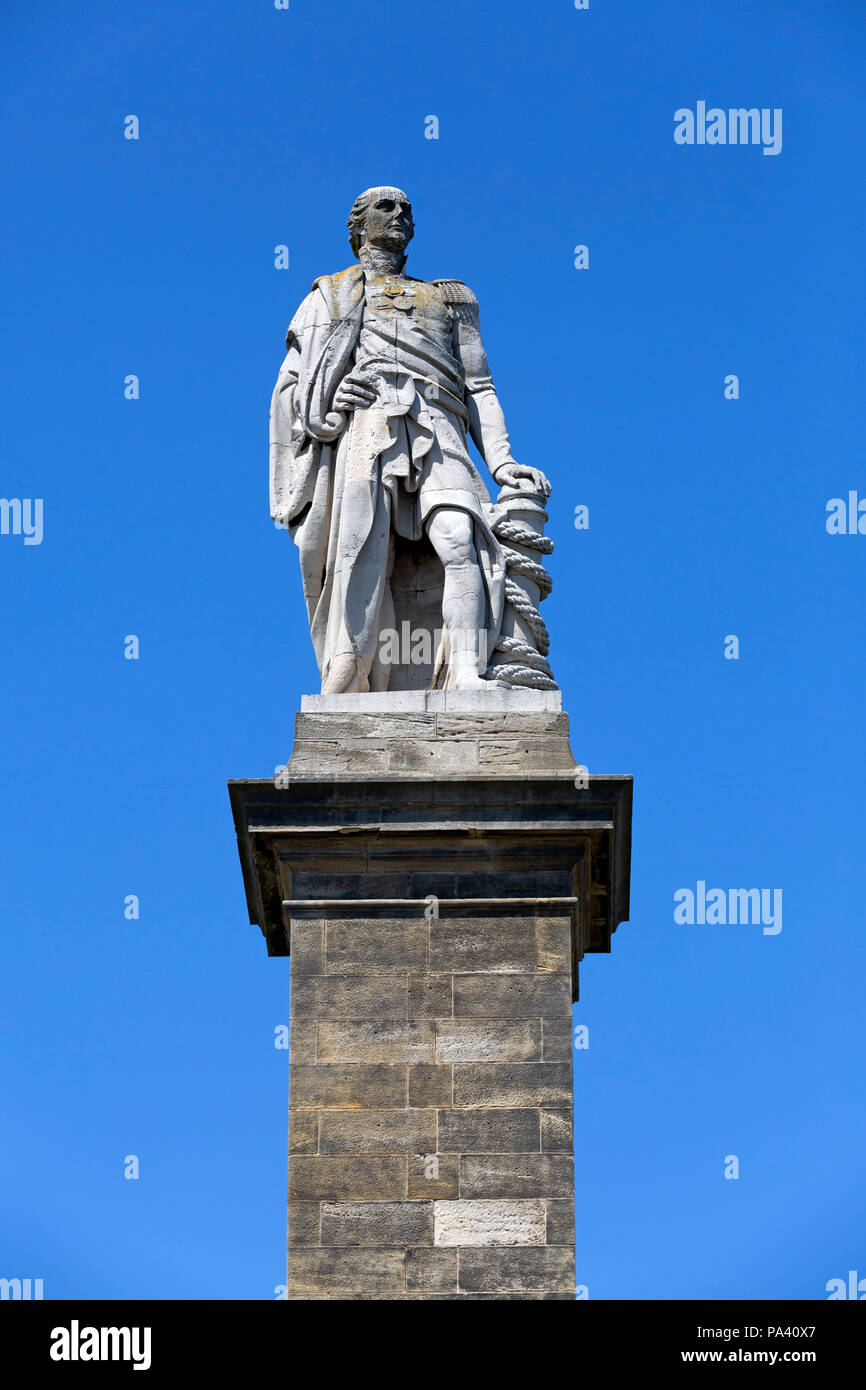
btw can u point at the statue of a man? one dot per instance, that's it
(384, 382)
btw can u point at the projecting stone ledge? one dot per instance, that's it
(476, 815)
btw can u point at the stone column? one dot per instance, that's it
(437, 876)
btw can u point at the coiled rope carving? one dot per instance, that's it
(528, 666)
(506, 530)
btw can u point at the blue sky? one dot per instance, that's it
(707, 518)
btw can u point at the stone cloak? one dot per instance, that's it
(326, 483)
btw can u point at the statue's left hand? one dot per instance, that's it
(524, 479)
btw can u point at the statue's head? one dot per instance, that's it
(381, 217)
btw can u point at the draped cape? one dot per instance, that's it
(343, 485)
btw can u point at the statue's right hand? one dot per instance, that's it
(354, 393)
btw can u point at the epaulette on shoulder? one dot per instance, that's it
(455, 292)
(351, 271)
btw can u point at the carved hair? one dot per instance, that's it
(358, 215)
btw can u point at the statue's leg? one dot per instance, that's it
(343, 676)
(463, 601)
(380, 670)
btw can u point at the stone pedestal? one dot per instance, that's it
(437, 876)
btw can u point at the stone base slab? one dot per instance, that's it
(498, 699)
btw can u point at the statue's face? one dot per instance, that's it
(388, 222)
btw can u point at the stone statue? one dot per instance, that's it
(384, 382)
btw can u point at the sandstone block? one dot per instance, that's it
(489, 1222)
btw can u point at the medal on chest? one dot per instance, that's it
(391, 293)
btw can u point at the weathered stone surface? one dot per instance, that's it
(473, 726)
(378, 1131)
(302, 1041)
(516, 1175)
(545, 1268)
(431, 1271)
(489, 1040)
(346, 1271)
(304, 1223)
(511, 996)
(434, 1175)
(304, 1132)
(557, 1131)
(308, 948)
(560, 1222)
(416, 1297)
(335, 878)
(429, 995)
(352, 996)
(430, 1084)
(371, 1040)
(558, 1040)
(364, 754)
(377, 948)
(489, 945)
(380, 725)
(466, 1297)
(523, 752)
(489, 1223)
(347, 1086)
(429, 1102)
(461, 1296)
(514, 1084)
(348, 1178)
(502, 880)
(377, 1223)
(418, 755)
(489, 1131)
(553, 936)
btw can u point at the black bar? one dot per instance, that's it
(247, 1337)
